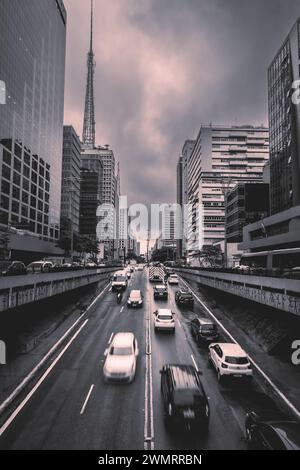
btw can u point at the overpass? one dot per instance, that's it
(279, 293)
(20, 290)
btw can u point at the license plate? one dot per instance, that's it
(188, 414)
(238, 375)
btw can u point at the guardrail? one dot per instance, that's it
(20, 290)
(280, 293)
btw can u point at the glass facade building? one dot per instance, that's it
(284, 123)
(32, 67)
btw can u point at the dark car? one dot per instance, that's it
(160, 291)
(204, 330)
(269, 431)
(184, 399)
(184, 297)
(14, 268)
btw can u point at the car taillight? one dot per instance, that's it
(225, 366)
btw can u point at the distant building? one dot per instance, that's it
(221, 157)
(245, 203)
(182, 191)
(70, 182)
(89, 201)
(32, 67)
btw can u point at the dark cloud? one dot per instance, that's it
(166, 66)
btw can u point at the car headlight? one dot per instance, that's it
(140, 301)
(129, 301)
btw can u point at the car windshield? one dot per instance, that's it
(161, 288)
(119, 278)
(236, 360)
(208, 327)
(165, 317)
(186, 397)
(120, 351)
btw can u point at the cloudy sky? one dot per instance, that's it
(163, 68)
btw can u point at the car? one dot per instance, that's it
(119, 281)
(229, 360)
(121, 358)
(173, 279)
(14, 268)
(40, 267)
(160, 291)
(204, 330)
(90, 264)
(293, 273)
(135, 299)
(184, 297)
(164, 320)
(184, 399)
(271, 431)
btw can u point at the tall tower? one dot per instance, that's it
(88, 135)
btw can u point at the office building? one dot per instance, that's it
(182, 192)
(284, 123)
(89, 202)
(221, 157)
(282, 229)
(32, 66)
(245, 204)
(70, 182)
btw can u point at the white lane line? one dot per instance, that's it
(256, 366)
(41, 380)
(149, 416)
(110, 289)
(122, 309)
(179, 323)
(87, 399)
(195, 363)
(31, 374)
(110, 338)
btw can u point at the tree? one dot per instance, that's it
(210, 256)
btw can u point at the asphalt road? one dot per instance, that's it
(74, 409)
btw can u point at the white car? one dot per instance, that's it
(135, 299)
(173, 279)
(164, 320)
(229, 359)
(121, 357)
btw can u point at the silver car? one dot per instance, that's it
(121, 357)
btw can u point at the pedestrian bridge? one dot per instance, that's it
(20, 290)
(280, 293)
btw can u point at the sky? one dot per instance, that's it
(164, 67)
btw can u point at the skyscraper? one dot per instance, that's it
(32, 66)
(182, 190)
(221, 157)
(70, 189)
(284, 123)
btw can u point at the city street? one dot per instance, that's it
(74, 408)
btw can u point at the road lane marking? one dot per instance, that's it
(122, 309)
(40, 381)
(111, 337)
(256, 366)
(87, 399)
(31, 374)
(195, 363)
(148, 424)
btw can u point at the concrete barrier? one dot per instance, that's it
(282, 294)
